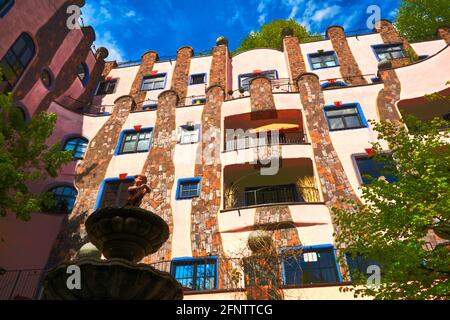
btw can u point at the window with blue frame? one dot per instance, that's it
(322, 60)
(83, 73)
(5, 6)
(153, 82)
(78, 146)
(198, 101)
(17, 59)
(197, 79)
(389, 51)
(149, 107)
(311, 265)
(188, 188)
(64, 199)
(347, 116)
(244, 79)
(335, 84)
(371, 169)
(196, 274)
(114, 193)
(132, 141)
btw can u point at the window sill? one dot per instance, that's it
(344, 129)
(325, 68)
(190, 198)
(134, 152)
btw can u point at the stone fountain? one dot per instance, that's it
(124, 236)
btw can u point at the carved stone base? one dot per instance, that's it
(114, 279)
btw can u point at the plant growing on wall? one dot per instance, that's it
(25, 157)
(395, 221)
(269, 36)
(418, 20)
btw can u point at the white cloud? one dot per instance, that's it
(106, 40)
(328, 12)
(131, 13)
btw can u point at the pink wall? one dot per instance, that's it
(25, 16)
(26, 245)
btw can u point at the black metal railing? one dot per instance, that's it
(97, 110)
(246, 142)
(20, 284)
(271, 195)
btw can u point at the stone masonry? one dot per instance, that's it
(181, 73)
(390, 36)
(205, 237)
(349, 67)
(389, 96)
(89, 176)
(294, 57)
(335, 184)
(160, 169)
(148, 61)
(271, 218)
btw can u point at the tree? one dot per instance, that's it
(270, 35)
(24, 157)
(390, 226)
(419, 19)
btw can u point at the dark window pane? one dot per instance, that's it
(198, 78)
(115, 193)
(78, 146)
(196, 274)
(64, 198)
(311, 266)
(370, 167)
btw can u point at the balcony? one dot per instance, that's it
(247, 186)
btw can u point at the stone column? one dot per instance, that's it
(89, 176)
(205, 237)
(389, 95)
(148, 61)
(335, 184)
(444, 34)
(349, 67)
(160, 169)
(273, 217)
(181, 73)
(293, 54)
(390, 36)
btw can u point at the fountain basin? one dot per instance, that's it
(114, 279)
(128, 233)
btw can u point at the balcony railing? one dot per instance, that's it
(271, 195)
(247, 142)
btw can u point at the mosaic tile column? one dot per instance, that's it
(275, 219)
(205, 237)
(160, 169)
(293, 55)
(390, 36)
(90, 174)
(389, 96)
(349, 67)
(148, 62)
(181, 73)
(335, 184)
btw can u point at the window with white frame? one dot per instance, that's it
(189, 133)
(155, 82)
(323, 60)
(389, 51)
(244, 79)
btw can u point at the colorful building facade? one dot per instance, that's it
(262, 140)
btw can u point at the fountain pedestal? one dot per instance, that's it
(124, 236)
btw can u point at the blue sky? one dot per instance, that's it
(128, 28)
